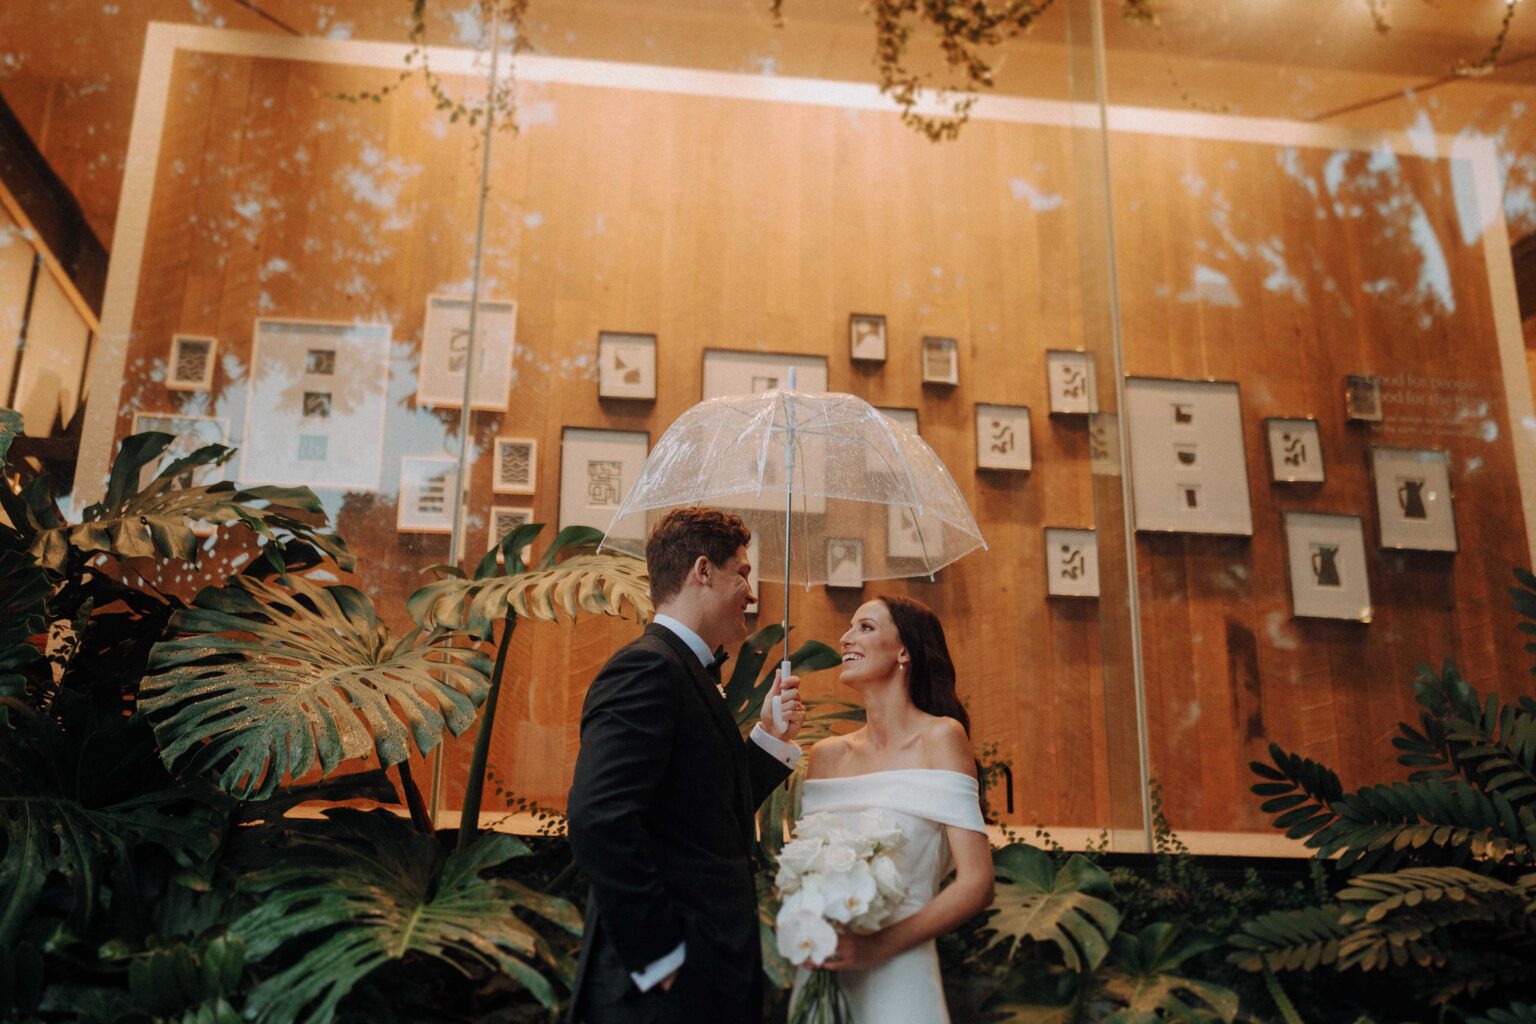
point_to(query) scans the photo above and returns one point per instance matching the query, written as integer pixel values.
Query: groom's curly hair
(680, 537)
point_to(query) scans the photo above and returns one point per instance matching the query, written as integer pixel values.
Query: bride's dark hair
(931, 675)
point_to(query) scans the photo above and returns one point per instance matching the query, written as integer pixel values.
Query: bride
(913, 757)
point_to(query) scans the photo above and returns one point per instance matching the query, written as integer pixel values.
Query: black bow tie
(713, 668)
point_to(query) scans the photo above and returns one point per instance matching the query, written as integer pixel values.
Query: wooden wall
(760, 226)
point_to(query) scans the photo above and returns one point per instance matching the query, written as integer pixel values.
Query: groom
(661, 808)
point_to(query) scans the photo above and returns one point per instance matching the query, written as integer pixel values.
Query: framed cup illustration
(1295, 451)
(190, 367)
(1069, 378)
(1362, 398)
(1325, 554)
(941, 361)
(1071, 562)
(503, 520)
(1189, 469)
(866, 337)
(845, 562)
(514, 465)
(1414, 509)
(597, 468)
(1002, 437)
(906, 417)
(626, 365)
(428, 485)
(445, 353)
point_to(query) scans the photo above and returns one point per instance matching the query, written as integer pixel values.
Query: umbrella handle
(776, 704)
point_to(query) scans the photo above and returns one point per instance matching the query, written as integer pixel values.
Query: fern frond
(1290, 940)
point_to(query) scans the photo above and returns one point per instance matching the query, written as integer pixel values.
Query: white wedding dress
(905, 989)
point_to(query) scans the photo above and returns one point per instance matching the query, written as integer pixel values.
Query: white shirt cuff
(653, 975)
(782, 751)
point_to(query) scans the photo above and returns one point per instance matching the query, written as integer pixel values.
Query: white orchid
(804, 935)
(848, 894)
(887, 878)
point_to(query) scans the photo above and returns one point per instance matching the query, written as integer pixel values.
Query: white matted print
(514, 465)
(1002, 437)
(866, 337)
(1295, 451)
(191, 433)
(1189, 470)
(845, 562)
(906, 417)
(445, 353)
(1362, 398)
(902, 537)
(1069, 378)
(504, 519)
(191, 364)
(941, 360)
(1413, 499)
(752, 373)
(1071, 562)
(597, 469)
(626, 365)
(428, 493)
(1326, 557)
(755, 574)
(315, 413)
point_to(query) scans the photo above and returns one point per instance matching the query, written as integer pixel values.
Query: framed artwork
(428, 485)
(191, 433)
(755, 576)
(626, 365)
(1326, 557)
(1362, 398)
(845, 562)
(866, 337)
(445, 353)
(1071, 562)
(1295, 451)
(597, 468)
(191, 364)
(906, 417)
(515, 465)
(315, 413)
(503, 520)
(1189, 470)
(902, 539)
(1002, 437)
(751, 373)
(1413, 499)
(1104, 443)
(941, 361)
(1069, 379)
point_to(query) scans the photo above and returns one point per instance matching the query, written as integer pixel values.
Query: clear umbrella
(834, 490)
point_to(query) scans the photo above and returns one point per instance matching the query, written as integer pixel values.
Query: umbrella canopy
(866, 498)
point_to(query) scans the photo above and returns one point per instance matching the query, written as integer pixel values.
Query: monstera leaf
(750, 683)
(1139, 976)
(10, 426)
(369, 892)
(82, 792)
(23, 589)
(157, 520)
(565, 581)
(267, 679)
(1067, 907)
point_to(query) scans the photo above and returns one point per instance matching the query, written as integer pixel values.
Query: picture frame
(334, 442)
(445, 353)
(514, 465)
(1071, 562)
(626, 366)
(1295, 450)
(1189, 467)
(597, 469)
(734, 372)
(428, 494)
(1362, 398)
(902, 538)
(907, 417)
(502, 520)
(1104, 443)
(191, 363)
(1069, 381)
(941, 360)
(845, 563)
(866, 337)
(1325, 557)
(1002, 437)
(191, 433)
(1415, 507)
(755, 574)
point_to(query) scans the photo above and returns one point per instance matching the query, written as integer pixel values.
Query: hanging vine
(1478, 68)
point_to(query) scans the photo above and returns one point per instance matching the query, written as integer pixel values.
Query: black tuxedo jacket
(661, 821)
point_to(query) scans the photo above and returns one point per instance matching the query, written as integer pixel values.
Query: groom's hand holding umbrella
(787, 692)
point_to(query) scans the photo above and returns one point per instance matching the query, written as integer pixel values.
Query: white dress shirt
(783, 751)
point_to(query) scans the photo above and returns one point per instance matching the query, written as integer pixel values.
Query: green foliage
(369, 891)
(1068, 907)
(23, 591)
(752, 676)
(265, 681)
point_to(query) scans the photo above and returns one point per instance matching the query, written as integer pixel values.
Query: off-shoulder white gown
(905, 989)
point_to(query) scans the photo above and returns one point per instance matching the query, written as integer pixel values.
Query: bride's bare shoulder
(826, 755)
(946, 745)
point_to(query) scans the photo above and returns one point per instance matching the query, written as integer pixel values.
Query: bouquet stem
(821, 1001)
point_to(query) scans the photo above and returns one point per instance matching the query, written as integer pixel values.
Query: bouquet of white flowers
(835, 875)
